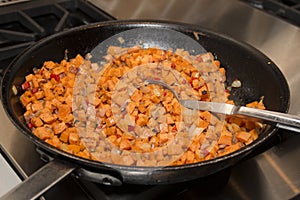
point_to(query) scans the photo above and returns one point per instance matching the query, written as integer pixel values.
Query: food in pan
(108, 113)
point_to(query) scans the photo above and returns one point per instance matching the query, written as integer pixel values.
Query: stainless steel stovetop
(274, 174)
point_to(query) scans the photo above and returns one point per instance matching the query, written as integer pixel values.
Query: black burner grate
(288, 10)
(23, 23)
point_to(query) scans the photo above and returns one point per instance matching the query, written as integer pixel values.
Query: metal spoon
(284, 121)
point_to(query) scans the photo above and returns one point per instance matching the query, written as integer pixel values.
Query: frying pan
(258, 74)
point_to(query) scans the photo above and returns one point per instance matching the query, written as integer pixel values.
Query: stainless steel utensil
(283, 120)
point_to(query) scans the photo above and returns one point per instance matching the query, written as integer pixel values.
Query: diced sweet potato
(176, 107)
(169, 119)
(68, 118)
(48, 94)
(112, 138)
(48, 117)
(243, 136)
(110, 121)
(249, 124)
(29, 77)
(225, 139)
(39, 94)
(254, 134)
(78, 60)
(190, 157)
(58, 70)
(36, 121)
(232, 148)
(64, 136)
(194, 146)
(142, 108)
(111, 130)
(142, 120)
(136, 96)
(205, 115)
(59, 127)
(74, 138)
(37, 106)
(84, 154)
(236, 120)
(43, 133)
(125, 144)
(203, 123)
(256, 104)
(74, 148)
(26, 98)
(50, 64)
(168, 107)
(163, 138)
(155, 99)
(54, 142)
(63, 111)
(131, 107)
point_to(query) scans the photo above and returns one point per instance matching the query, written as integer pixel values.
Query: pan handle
(41, 181)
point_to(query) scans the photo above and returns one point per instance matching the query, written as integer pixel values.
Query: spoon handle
(283, 120)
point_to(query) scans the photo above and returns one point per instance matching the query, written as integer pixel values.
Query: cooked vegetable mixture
(107, 112)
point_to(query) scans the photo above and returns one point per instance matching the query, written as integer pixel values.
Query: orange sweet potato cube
(243, 136)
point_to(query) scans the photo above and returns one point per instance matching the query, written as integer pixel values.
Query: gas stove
(273, 174)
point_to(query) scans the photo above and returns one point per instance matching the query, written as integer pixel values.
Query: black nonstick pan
(259, 75)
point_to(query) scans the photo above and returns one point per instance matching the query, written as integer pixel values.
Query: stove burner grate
(20, 28)
(288, 10)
